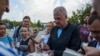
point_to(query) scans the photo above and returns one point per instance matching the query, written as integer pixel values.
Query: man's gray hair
(62, 9)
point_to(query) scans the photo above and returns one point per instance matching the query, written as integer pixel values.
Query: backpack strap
(17, 32)
(10, 43)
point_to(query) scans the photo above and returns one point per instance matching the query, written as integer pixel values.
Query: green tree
(33, 24)
(80, 14)
(39, 23)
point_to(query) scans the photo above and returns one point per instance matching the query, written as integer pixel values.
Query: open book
(69, 52)
(38, 54)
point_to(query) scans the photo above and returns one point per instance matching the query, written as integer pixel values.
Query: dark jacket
(69, 38)
(93, 43)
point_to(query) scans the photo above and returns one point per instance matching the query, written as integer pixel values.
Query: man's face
(85, 19)
(95, 29)
(2, 29)
(24, 31)
(26, 22)
(60, 19)
(3, 7)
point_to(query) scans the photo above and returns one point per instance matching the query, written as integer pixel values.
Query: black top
(69, 38)
(24, 45)
(92, 43)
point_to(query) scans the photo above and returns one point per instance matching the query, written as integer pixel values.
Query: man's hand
(42, 47)
(38, 47)
(46, 47)
(91, 51)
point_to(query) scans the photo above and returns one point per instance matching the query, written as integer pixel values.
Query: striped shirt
(7, 51)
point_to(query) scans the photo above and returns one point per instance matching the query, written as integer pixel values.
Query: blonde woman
(44, 37)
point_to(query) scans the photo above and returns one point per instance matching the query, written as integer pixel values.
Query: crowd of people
(57, 36)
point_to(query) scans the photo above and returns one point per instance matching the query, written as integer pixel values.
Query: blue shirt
(7, 51)
(59, 31)
(6, 39)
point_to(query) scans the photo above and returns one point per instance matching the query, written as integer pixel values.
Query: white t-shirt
(91, 35)
(45, 38)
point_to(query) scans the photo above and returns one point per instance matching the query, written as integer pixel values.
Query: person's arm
(75, 40)
(31, 46)
(91, 51)
(89, 37)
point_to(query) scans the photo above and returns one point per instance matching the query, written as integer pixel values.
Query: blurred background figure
(17, 34)
(84, 32)
(44, 37)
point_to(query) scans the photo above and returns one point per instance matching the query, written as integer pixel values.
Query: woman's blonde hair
(52, 23)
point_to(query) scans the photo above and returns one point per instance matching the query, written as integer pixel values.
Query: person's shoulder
(73, 26)
(17, 28)
(80, 26)
(30, 28)
(5, 36)
(54, 28)
(8, 36)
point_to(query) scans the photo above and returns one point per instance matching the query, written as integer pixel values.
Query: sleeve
(10, 39)
(7, 51)
(75, 39)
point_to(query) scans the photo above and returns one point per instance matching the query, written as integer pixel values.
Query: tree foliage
(78, 16)
(39, 23)
(11, 24)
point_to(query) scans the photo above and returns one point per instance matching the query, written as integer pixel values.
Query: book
(69, 52)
